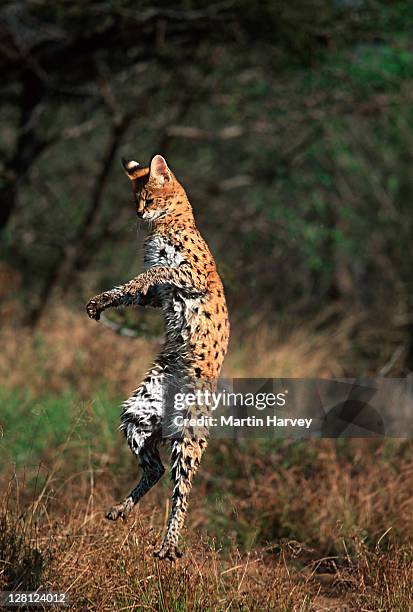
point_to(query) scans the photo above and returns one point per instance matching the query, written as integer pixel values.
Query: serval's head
(156, 191)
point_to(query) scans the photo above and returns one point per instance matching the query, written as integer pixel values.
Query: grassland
(311, 525)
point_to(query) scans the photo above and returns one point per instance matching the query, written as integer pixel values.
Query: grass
(23, 565)
(32, 425)
(310, 525)
(259, 539)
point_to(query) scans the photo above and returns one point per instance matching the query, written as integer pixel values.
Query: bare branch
(184, 131)
(397, 354)
(74, 252)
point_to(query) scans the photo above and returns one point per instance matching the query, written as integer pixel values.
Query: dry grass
(303, 353)
(320, 492)
(317, 525)
(67, 350)
(59, 540)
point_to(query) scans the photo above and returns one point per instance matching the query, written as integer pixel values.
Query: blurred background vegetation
(290, 125)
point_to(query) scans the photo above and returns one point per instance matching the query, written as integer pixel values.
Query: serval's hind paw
(168, 551)
(121, 510)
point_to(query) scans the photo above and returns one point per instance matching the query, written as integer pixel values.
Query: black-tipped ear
(159, 170)
(132, 168)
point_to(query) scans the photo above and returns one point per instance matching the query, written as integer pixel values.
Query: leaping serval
(180, 277)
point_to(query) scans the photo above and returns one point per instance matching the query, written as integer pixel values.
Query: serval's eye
(148, 201)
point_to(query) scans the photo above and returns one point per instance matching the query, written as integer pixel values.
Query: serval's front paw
(121, 510)
(168, 551)
(93, 309)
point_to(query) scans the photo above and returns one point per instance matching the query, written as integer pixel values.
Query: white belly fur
(176, 305)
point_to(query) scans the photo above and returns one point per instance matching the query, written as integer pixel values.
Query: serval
(180, 277)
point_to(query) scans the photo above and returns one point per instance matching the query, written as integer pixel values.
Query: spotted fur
(181, 278)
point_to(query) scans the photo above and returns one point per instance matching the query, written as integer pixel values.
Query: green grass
(32, 427)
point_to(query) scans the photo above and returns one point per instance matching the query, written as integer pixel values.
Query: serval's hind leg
(141, 424)
(185, 459)
(153, 470)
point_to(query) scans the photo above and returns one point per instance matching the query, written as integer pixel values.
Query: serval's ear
(159, 170)
(133, 170)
